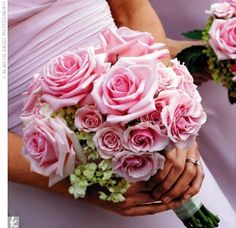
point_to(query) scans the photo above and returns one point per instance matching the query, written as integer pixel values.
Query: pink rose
(222, 10)
(127, 91)
(183, 118)
(190, 88)
(33, 94)
(127, 42)
(88, 118)
(51, 148)
(223, 38)
(181, 70)
(144, 137)
(154, 117)
(232, 3)
(167, 78)
(135, 167)
(69, 78)
(109, 140)
(185, 80)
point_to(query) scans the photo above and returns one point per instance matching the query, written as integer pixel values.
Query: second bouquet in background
(219, 54)
(104, 116)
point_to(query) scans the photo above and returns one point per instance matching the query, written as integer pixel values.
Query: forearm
(176, 46)
(138, 15)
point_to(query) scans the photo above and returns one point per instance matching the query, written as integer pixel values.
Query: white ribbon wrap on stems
(189, 208)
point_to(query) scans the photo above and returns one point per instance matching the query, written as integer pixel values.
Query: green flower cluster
(102, 174)
(68, 114)
(96, 172)
(205, 32)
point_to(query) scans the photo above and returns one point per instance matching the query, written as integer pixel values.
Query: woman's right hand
(138, 201)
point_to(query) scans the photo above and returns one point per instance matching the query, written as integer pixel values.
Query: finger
(182, 183)
(162, 174)
(138, 187)
(137, 199)
(146, 209)
(176, 204)
(196, 184)
(188, 175)
(172, 176)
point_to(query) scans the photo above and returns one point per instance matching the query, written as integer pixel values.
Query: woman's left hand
(178, 179)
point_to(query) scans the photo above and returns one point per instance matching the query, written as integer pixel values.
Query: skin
(177, 181)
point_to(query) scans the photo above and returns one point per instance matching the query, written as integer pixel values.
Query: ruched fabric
(40, 30)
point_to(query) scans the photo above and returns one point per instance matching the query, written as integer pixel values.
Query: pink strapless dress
(217, 139)
(38, 31)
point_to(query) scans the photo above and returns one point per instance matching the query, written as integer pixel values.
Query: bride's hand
(178, 179)
(138, 201)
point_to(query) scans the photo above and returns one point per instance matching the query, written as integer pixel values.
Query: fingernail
(166, 199)
(186, 197)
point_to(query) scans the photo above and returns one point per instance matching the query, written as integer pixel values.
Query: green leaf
(194, 58)
(194, 34)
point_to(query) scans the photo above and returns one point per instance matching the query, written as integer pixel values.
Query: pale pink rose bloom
(33, 93)
(234, 79)
(185, 80)
(190, 88)
(127, 91)
(181, 70)
(69, 78)
(222, 10)
(88, 118)
(183, 118)
(144, 137)
(50, 148)
(167, 78)
(109, 140)
(163, 99)
(135, 167)
(223, 38)
(232, 3)
(127, 42)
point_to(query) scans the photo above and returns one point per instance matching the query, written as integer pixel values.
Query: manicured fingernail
(186, 197)
(166, 199)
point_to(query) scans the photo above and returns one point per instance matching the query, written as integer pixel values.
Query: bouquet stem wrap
(194, 214)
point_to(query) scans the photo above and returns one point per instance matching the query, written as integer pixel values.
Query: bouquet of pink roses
(220, 53)
(103, 115)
